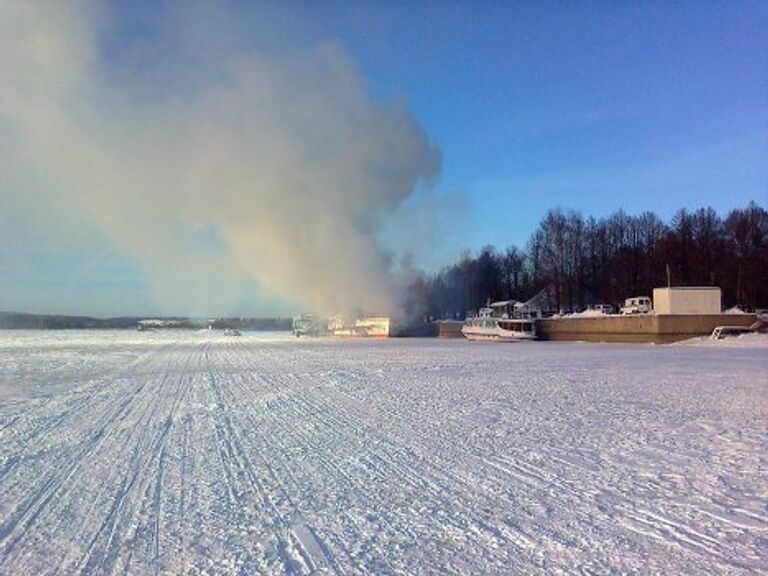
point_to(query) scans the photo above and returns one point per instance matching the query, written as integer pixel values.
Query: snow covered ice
(186, 452)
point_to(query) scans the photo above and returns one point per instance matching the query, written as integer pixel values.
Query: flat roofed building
(687, 300)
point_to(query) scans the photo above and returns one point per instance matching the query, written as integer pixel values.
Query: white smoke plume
(279, 170)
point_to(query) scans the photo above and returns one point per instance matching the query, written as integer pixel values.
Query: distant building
(687, 300)
(376, 327)
(503, 308)
(371, 327)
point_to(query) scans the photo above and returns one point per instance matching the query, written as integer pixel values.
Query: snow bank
(747, 340)
(734, 310)
(588, 313)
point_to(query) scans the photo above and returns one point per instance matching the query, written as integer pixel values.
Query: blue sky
(593, 106)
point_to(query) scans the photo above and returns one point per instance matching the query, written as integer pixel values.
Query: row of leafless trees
(589, 261)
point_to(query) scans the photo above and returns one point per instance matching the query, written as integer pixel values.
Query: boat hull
(496, 335)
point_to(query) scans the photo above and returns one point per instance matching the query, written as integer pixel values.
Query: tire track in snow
(306, 411)
(24, 517)
(288, 520)
(145, 448)
(279, 517)
(421, 475)
(345, 457)
(134, 400)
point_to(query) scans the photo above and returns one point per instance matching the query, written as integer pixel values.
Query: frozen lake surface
(175, 452)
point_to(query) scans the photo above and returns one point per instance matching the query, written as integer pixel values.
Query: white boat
(485, 326)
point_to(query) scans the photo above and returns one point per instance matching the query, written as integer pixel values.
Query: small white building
(687, 300)
(376, 327)
(373, 327)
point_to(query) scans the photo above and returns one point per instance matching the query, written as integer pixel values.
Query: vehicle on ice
(306, 325)
(637, 305)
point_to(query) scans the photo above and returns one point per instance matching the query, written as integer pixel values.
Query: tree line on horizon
(589, 261)
(24, 321)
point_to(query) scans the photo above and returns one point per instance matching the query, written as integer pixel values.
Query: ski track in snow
(185, 452)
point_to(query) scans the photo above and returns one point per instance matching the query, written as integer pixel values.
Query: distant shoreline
(26, 321)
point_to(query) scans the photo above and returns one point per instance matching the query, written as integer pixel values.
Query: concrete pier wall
(660, 329)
